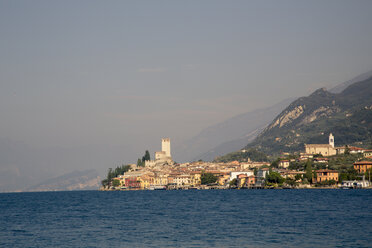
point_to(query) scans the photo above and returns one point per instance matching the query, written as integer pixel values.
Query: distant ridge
(229, 135)
(76, 180)
(339, 88)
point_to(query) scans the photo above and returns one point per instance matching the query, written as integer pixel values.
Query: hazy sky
(105, 80)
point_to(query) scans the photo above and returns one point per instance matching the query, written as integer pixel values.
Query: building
(244, 181)
(235, 174)
(323, 149)
(367, 153)
(305, 156)
(251, 165)
(182, 180)
(132, 183)
(165, 147)
(161, 157)
(326, 175)
(284, 163)
(291, 174)
(355, 150)
(355, 184)
(363, 166)
(320, 160)
(261, 175)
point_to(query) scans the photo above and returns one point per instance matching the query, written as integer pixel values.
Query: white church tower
(165, 146)
(331, 140)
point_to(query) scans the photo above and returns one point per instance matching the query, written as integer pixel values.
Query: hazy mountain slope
(76, 180)
(339, 88)
(229, 146)
(348, 115)
(226, 136)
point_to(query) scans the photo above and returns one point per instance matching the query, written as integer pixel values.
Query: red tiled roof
(362, 162)
(326, 170)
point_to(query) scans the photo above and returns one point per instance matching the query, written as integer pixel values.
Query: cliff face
(348, 115)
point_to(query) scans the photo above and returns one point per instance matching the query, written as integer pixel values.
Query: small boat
(160, 187)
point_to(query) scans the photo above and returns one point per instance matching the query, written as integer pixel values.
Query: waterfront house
(132, 183)
(326, 175)
(234, 174)
(245, 181)
(362, 166)
(260, 177)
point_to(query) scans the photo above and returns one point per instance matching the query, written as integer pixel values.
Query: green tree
(208, 178)
(120, 170)
(298, 177)
(140, 163)
(104, 182)
(147, 156)
(347, 150)
(308, 171)
(109, 176)
(115, 183)
(274, 177)
(275, 163)
(291, 182)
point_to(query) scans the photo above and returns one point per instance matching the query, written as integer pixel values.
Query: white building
(234, 174)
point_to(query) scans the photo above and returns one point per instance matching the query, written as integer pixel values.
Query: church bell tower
(331, 140)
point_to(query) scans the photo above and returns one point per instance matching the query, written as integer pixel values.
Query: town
(319, 166)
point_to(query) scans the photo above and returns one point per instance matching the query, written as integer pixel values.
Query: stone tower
(331, 140)
(165, 146)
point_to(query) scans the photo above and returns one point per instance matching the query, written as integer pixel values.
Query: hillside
(76, 180)
(229, 135)
(348, 115)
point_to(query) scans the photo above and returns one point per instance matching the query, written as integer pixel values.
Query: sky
(93, 84)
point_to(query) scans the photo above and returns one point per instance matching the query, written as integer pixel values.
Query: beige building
(326, 175)
(284, 163)
(323, 149)
(161, 157)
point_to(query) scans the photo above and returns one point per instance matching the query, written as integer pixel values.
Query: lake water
(193, 218)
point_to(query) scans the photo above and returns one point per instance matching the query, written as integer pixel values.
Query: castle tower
(331, 140)
(165, 146)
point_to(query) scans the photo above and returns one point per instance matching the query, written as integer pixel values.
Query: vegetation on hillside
(347, 115)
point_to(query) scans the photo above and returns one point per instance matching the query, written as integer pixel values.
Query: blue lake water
(194, 218)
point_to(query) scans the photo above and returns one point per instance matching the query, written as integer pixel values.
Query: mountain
(348, 115)
(229, 135)
(340, 87)
(229, 146)
(76, 180)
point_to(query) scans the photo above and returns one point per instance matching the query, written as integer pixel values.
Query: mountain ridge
(310, 119)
